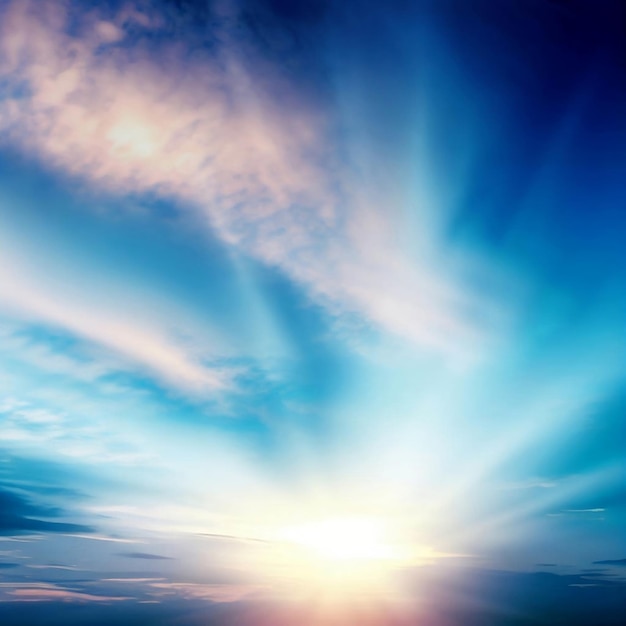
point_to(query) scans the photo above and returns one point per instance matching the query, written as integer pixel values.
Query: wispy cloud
(75, 436)
(20, 515)
(532, 483)
(214, 593)
(145, 556)
(54, 566)
(45, 592)
(107, 538)
(240, 148)
(149, 344)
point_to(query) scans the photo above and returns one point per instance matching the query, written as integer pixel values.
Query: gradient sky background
(266, 262)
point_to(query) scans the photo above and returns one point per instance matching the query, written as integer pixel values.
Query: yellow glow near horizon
(343, 555)
(343, 539)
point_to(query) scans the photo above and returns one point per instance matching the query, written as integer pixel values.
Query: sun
(343, 539)
(343, 555)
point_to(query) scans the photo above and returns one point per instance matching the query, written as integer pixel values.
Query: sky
(312, 312)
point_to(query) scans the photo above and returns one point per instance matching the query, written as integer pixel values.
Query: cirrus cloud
(242, 149)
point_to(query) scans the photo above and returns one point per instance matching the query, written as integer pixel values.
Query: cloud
(54, 566)
(532, 483)
(25, 504)
(620, 562)
(46, 593)
(596, 573)
(145, 555)
(136, 580)
(237, 142)
(18, 515)
(578, 513)
(231, 537)
(9, 565)
(74, 433)
(200, 591)
(108, 538)
(152, 345)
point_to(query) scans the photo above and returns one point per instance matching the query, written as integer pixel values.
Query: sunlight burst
(344, 555)
(344, 539)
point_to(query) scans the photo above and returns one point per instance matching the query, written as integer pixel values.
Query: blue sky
(312, 310)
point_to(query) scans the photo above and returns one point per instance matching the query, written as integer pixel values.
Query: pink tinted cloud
(148, 345)
(44, 592)
(212, 592)
(241, 149)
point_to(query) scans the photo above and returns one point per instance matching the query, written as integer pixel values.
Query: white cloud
(32, 592)
(142, 335)
(204, 591)
(240, 148)
(72, 435)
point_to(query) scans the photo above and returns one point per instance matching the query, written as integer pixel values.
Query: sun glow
(340, 555)
(344, 539)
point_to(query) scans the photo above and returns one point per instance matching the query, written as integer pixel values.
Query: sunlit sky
(312, 302)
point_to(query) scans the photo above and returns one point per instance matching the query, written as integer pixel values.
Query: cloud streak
(145, 556)
(149, 345)
(18, 515)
